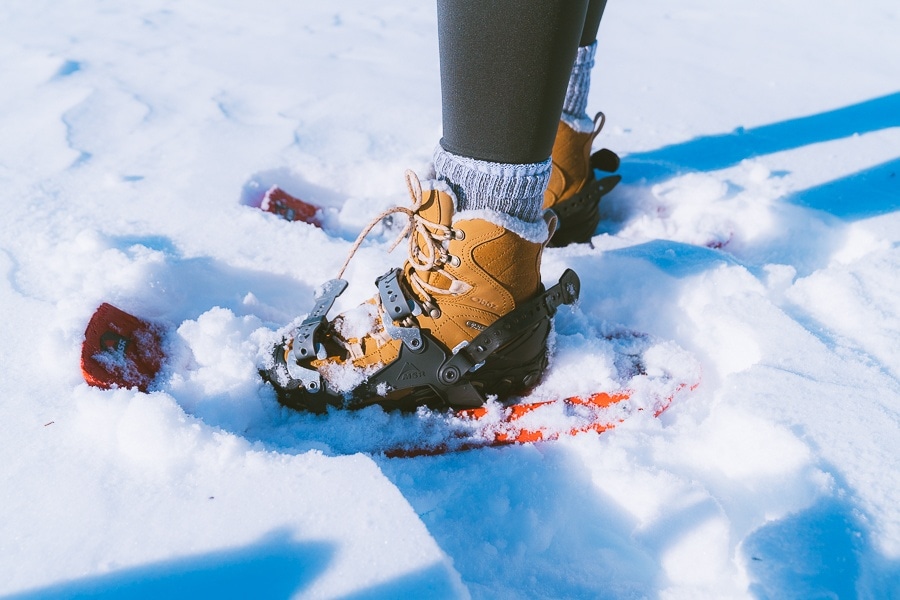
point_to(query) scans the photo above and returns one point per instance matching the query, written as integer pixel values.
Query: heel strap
(507, 327)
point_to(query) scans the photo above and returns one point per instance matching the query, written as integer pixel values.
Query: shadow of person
(276, 566)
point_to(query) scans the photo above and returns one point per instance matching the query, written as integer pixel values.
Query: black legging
(505, 66)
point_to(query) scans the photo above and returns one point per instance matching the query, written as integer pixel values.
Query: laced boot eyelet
(459, 234)
(453, 261)
(432, 310)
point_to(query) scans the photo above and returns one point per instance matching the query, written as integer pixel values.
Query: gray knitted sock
(575, 105)
(513, 189)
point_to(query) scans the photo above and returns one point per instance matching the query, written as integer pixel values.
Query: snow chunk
(213, 367)
(344, 377)
(358, 322)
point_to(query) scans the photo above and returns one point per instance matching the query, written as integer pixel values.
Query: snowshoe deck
(530, 422)
(124, 351)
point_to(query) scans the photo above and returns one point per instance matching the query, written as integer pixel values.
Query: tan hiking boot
(465, 317)
(574, 192)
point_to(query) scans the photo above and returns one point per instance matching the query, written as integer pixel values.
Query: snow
(756, 234)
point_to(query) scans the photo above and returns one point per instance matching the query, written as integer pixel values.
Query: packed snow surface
(756, 236)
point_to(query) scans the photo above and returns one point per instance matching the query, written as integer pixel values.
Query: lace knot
(427, 249)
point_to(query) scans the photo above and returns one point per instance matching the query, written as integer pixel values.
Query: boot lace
(427, 251)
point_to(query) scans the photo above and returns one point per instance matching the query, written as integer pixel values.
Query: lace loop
(426, 251)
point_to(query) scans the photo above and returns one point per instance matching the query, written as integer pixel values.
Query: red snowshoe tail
(512, 433)
(120, 350)
(511, 428)
(279, 202)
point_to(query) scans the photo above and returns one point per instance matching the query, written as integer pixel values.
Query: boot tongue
(437, 207)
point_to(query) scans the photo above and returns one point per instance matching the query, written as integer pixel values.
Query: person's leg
(575, 103)
(592, 22)
(504, 69)
(466, 316)
(573, 192)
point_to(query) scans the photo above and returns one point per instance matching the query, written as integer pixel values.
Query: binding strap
(303, 346)
(507, 327)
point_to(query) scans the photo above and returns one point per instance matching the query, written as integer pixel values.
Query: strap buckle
(304, 339)
(507, 327)
(397, 308)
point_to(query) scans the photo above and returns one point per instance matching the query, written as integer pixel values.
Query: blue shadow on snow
(868, 193)
(274, 567)
(714, 152)
(675, 258)
(822, 552)
(68, 68)
(187, 287)
(526, 522)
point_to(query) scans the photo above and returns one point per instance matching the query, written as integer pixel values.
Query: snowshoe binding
(465, 318)
(574, 192)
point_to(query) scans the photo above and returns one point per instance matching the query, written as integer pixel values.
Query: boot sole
(511, 370)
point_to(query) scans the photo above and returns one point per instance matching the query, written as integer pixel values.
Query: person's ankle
(512, 189)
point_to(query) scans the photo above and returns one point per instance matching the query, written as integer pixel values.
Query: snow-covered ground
(757, 230)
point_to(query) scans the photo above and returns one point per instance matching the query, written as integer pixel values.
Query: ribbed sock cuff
(575, 105)
(512, 189)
